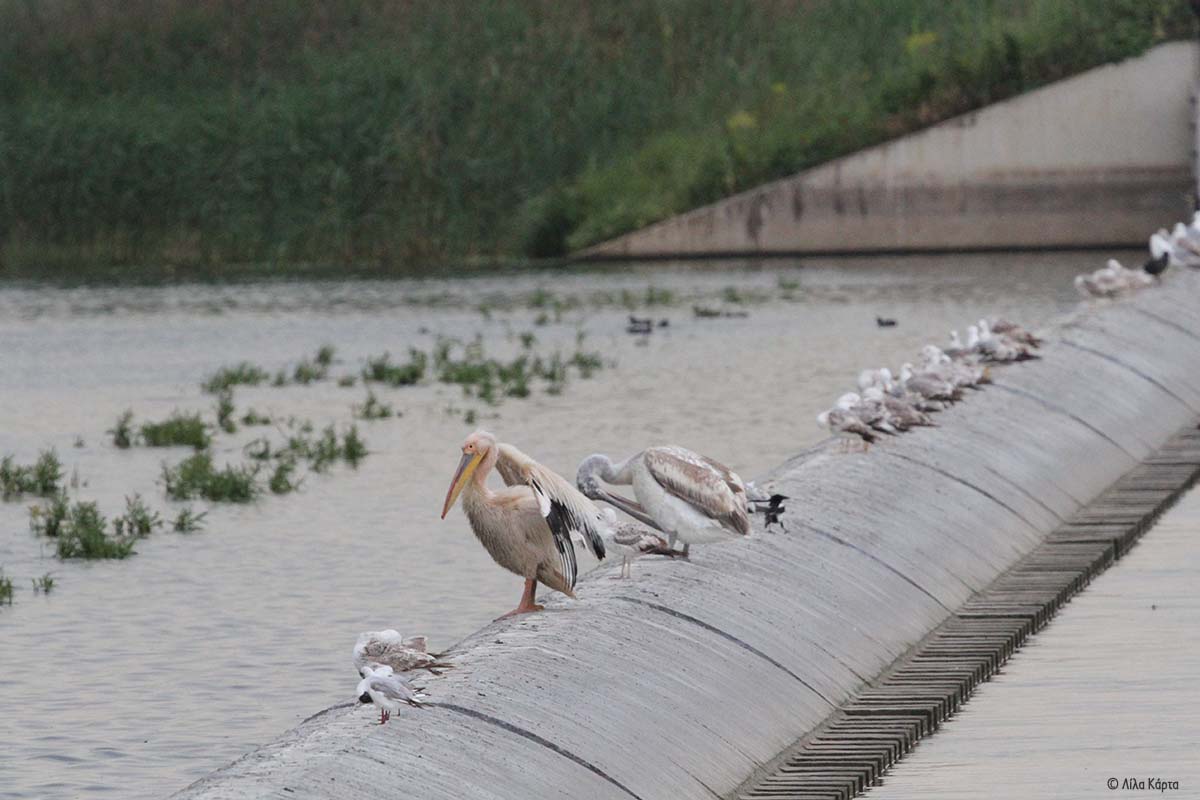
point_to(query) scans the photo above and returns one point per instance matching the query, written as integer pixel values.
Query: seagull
(387, 690)
(901, 414)
(526, 527)
(1012, 330)
(928, 386)
(629, 541)
(873, 414)
(846, 425)
(389, 648)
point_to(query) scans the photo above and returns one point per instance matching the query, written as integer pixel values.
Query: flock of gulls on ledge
(680, 498)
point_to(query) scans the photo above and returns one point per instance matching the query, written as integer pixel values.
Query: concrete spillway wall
(685, 680)
(1098, 159)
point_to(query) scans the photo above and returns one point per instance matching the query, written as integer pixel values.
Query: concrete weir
(693, 677)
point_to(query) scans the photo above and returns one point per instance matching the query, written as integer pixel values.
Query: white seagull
(387, 690)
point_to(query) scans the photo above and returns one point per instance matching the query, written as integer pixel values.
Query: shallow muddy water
(134, 678)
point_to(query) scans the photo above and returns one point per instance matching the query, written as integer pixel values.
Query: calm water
(1107, 691)
(134, 678)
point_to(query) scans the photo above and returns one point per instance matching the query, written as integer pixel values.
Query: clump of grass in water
(225, 411)
(188, 521)
(241, 374)
(80, 530)
(122, 432)
(177, 430)
(373, 408)
(42, 585)
(354, 449)
(6, 588)
(252, 417)
(50, 519)
(587, 363)
(346, 381)
(382, 370)
(42, 478)
(138, 521)
(325, 355)
(307, 372)
(196, 477)
(325, 450)
(281, 481)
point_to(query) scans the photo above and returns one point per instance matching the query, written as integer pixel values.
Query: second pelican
(688, 496)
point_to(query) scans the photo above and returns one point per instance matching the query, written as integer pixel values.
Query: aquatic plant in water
(373, 408)
(177, 430)
(122, 432)
(138, 521)
(6, 588)
(79, 530)
(225, 411)
(42, 478)
(43, 585)
(381, 369)
(197, 477)
(188, 521)
(241, 374)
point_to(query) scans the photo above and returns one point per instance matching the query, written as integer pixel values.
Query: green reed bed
(241, 374)
(380, 132)
(6, 589)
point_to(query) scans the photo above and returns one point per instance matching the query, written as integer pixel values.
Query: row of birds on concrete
(1179, 247)
(887, 404)
(532, 526)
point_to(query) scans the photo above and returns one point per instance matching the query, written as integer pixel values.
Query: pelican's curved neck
(620, 474)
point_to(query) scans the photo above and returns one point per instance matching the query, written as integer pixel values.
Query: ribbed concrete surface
(683, 681)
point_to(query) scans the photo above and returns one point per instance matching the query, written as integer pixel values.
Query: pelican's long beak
(631, 508)
(466, 468)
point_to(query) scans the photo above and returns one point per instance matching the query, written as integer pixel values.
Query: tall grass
(383, 131)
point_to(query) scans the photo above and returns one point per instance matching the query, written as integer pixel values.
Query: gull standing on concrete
(630, 541)
(692, 498)
(387, 690)
(526, 527)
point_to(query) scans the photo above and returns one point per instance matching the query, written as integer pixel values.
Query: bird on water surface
(527, 526)
(689, 497)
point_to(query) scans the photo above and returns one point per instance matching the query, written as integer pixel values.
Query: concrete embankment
(687, 679)
(1099, 159)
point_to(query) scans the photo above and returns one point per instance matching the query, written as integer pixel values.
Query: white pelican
(387, 690)
(390, 649)
(527, 526)
(689, 497)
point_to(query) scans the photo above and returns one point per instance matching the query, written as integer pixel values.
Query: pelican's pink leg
(383, 716)
(527, 605)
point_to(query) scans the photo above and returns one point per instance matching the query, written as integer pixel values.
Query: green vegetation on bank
(384, 132)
